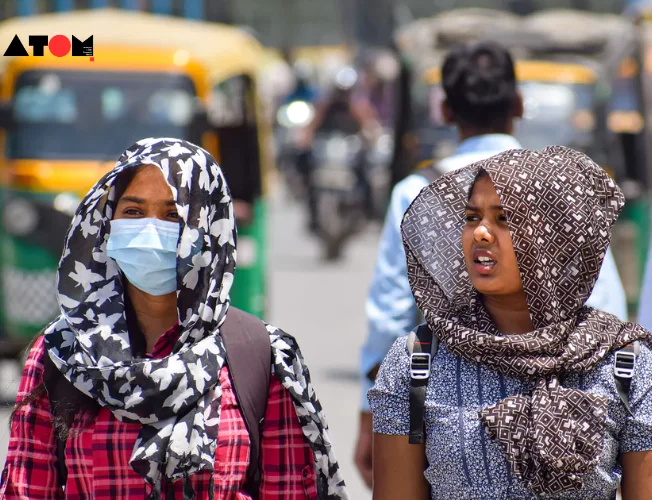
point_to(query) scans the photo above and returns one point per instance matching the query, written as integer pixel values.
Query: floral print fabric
(170, 397)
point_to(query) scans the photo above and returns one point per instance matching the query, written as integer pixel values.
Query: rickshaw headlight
(20, 217)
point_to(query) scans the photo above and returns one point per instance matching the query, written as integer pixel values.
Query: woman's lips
(484, 261)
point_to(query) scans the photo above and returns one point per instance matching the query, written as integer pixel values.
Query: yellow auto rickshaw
(66, 119)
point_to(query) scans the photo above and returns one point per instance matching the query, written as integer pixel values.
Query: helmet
(303, 70)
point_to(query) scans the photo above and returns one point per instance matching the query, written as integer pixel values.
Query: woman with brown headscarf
(522, 400)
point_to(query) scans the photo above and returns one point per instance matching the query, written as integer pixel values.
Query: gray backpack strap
(624, 367)
(431, 173)
(249, 357)
(56, 398)
(422, 346)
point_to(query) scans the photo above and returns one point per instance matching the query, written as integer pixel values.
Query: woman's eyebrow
(132, 199)
(472, 208)
(141, 201)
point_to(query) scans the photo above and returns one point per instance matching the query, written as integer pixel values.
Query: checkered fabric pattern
(29, 296)
(98, 452)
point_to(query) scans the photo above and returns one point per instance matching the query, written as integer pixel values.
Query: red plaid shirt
(97, 456)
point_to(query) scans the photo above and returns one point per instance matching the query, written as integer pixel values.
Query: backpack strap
(422, 346)
(624, 366)
(56, 396)
(431, 172)
(249, 357)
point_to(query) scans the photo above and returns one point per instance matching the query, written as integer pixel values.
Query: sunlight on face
(147, 196)
(487, 243)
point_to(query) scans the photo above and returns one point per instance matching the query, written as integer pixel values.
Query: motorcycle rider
(378, 85)
(338, 111)
(303, 90)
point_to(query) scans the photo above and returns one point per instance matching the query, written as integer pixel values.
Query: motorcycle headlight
(20, 217)
(296, 114)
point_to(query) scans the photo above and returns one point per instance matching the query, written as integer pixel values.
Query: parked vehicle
(66, 120)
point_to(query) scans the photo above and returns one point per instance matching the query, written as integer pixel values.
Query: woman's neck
(155, 315)
(510, 313)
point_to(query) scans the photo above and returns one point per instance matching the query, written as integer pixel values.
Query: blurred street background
(315, 110)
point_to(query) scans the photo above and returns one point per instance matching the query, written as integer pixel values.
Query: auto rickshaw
(65, 120)
(566, 77)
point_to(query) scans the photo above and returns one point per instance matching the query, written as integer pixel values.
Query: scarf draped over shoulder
(560, 208)
(176, 398)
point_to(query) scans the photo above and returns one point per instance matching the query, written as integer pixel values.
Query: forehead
(483, 192)
(148, 183)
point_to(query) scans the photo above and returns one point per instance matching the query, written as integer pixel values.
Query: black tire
(332, 249)
(331, 230)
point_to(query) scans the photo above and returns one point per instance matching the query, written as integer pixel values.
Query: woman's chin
(487, 284)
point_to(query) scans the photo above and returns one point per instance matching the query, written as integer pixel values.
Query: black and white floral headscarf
(176, 399)
(560, 208)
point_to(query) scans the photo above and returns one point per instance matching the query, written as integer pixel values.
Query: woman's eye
(502, 218)
(173, 215)
(472, 218)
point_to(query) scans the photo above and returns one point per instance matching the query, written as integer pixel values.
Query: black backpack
(423, 345)
(249, 357)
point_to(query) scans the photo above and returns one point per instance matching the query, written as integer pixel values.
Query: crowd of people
(498, 361)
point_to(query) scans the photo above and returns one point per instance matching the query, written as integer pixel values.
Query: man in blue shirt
(482, 100)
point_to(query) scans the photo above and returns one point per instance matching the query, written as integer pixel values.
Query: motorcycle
(338, 182)
(291, 118)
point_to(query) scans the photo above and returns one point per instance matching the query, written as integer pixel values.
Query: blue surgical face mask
(146, 252)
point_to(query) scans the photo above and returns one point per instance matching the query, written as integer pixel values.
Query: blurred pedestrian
(524, 397)
(482, 100)
(133, 391)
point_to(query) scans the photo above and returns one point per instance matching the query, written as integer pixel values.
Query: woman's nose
(481, 233)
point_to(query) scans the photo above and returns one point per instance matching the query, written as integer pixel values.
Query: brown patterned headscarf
(560, 208)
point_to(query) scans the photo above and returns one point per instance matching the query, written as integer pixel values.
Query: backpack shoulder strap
(624, 367)
(422, 346)
(249, 357)
(55, 398)
(431, 172)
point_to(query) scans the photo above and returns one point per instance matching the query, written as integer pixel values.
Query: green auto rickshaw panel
(249, 285)
(28, 276)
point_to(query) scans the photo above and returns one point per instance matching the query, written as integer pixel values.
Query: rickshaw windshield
(554, 113)
(95, 116)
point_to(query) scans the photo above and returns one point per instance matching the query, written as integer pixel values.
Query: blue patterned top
(463, 462)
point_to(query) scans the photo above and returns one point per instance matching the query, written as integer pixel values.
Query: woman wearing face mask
(138, 360)
(521, 401)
